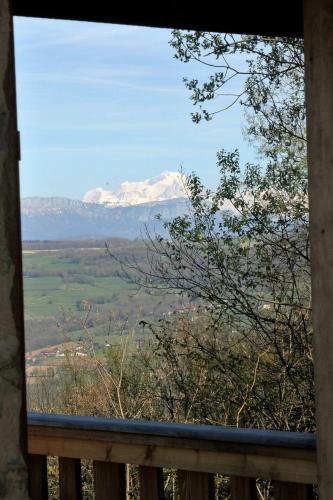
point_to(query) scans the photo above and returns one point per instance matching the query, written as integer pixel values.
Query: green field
(64, 286)
(59, 282)
(47, 296)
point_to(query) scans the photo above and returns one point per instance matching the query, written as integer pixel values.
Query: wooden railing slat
(151, 483)
(292, 491)
(70, 479)
(37, 466)
(195, 485)
(301, 470)
(243, 488)
(110, 481)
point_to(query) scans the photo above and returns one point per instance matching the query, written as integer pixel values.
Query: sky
(99, 104)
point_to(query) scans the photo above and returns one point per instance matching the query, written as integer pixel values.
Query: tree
(243, 249)
(271, 74)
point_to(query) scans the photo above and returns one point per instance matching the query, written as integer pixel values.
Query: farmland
(71, 291)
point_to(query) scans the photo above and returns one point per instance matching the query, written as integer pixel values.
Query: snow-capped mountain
(166, 186)
(126, 212)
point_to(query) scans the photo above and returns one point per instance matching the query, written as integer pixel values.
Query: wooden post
(292, 491)
(151, 483)
(195, 485)
(13, 472)
(38, 487)
(110, 481)
(243, 488)
(70, 483)
(318, 34)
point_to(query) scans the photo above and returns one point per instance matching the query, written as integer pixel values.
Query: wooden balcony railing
(197, 452)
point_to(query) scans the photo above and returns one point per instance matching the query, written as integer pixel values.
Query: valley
(75, 294)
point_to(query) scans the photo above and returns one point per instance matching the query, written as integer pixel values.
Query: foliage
(264, 74)
(243, 250)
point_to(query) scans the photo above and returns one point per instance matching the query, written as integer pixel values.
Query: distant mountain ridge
(40, 204)
(59, 218)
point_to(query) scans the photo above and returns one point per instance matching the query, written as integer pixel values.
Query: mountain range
(124, 212)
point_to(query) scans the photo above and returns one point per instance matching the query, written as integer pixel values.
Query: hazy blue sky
(99, 104)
